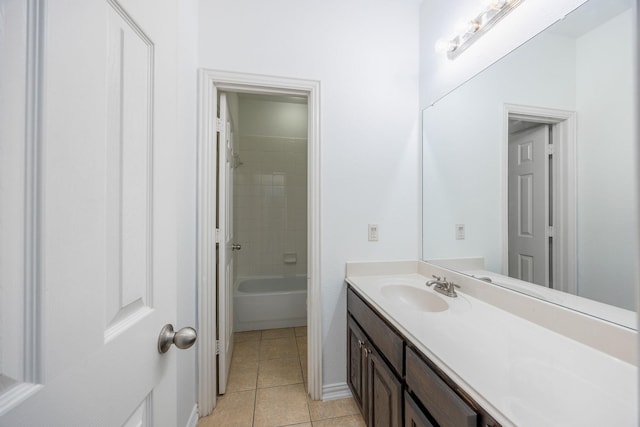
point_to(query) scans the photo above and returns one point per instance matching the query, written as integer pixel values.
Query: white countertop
(620, 316)
(521, 373)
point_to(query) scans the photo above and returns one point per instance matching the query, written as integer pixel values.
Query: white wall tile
(270, 205)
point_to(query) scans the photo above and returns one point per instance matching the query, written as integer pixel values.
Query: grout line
(255, 395)
(255, 403)
(304, 386)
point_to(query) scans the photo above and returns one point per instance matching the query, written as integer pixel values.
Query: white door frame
(210, 82)
(564, 199)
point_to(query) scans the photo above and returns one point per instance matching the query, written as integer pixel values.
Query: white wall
(270, 188)
(607, 200)
(365, 54)
(439, 19)
(186, 209)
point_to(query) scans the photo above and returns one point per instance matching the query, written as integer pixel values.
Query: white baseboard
(335, 391)
(193, 418)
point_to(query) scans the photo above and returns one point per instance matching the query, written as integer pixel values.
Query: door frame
(210, 82)
(564, 134)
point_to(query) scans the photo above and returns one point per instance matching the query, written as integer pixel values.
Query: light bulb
(445, 46)
(441, 46)
(472, 26)
(498, 4)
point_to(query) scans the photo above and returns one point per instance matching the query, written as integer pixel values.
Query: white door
(226, 245)
(528, 205)
(87, 204)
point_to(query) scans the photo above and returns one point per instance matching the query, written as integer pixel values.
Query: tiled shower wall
(270, 204)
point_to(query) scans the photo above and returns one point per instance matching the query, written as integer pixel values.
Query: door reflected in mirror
(535, 159)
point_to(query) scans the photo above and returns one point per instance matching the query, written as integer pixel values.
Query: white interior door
(87, 202)
(528, 205)
(226, 245)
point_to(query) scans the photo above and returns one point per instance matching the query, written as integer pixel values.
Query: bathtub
(269, 302)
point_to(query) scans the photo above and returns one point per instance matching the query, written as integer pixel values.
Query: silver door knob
(236, 247)
(184, 338)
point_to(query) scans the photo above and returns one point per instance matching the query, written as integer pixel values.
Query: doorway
(254, 89)
(269, 211)
(539, 196)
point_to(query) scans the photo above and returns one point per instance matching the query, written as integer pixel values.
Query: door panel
(129, 196)
(225, 252)
(104, 258)
(15, 200)
(528, 211)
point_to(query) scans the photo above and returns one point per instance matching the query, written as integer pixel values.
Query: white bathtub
(269, 302)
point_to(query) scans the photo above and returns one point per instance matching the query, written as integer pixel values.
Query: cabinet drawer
(444, 405)
(386, 340)
(413, 415)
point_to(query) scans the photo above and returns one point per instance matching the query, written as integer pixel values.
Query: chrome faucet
(443, 286)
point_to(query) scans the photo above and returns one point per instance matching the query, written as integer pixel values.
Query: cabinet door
(413, 415)
(356, 374)
(384, 393)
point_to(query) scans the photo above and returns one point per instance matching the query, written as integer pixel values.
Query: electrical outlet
(373, 232)
(460, 232)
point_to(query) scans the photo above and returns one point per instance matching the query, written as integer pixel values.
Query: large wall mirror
(529, 168)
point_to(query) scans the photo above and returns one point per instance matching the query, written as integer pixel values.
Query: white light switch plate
(373, 232)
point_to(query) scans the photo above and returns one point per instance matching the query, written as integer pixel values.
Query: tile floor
(267, 386)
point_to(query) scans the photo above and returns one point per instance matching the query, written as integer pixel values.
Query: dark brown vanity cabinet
(357, 365)
(394, 384)
(376, 387)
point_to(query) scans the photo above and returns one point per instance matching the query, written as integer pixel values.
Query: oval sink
(415, 298)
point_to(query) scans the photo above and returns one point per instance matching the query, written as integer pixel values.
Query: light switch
(459, 231)
(373, 232)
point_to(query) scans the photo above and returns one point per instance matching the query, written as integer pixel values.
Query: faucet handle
(437, 277)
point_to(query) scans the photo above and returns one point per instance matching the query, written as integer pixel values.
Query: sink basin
(414, 298)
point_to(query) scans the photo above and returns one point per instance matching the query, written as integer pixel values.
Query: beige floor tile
(304, 366)
(232, 409)
(243, 375)
(247, 350)
(278, 406)
(277, 372)
(348, 421)
(301, 331)
(320, 410)
(301, 425)
(278, 348)
(247, 336)
(301, 342)
(269, 334)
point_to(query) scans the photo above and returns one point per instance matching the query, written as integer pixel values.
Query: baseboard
(193, 418)
(335, 391)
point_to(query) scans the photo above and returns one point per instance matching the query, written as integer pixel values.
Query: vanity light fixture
(473, 29)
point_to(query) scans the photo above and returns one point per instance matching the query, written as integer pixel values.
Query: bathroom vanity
(385, 369)
(419, 358)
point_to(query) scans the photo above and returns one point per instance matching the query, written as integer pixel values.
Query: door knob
(236, 247)
(184, 338)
